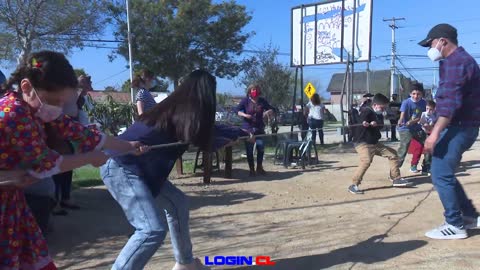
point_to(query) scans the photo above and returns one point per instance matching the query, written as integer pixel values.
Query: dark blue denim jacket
(154, 166)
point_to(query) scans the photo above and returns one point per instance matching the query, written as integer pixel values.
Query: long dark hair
(46, 70)
(188, 114)
(316, 99)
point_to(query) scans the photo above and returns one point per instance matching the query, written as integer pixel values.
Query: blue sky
(271, 23)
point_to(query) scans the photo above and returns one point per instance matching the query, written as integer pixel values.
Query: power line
(109, 77)
(401, 63)
(100, 47)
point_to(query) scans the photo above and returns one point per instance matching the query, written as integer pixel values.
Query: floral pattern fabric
(23, 146)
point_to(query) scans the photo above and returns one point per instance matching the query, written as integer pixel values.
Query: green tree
(54, 24)
(224, 100)
(126, 86)
(162, 86)
(79, 72)
(173, 37)
(112, 115)
(110, 89)
(273, 77)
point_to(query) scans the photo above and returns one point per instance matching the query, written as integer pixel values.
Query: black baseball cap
(368, 95)
(442, 30)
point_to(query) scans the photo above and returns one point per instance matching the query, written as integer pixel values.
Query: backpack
(353, 119)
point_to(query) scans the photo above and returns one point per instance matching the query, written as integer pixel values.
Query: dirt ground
(303, 219)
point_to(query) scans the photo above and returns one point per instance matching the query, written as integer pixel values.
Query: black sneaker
(354, 189)
(471, 222)
(401, 182)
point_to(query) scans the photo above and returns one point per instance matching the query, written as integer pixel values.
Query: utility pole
(368, 77)
(393, 77)
(129, 37)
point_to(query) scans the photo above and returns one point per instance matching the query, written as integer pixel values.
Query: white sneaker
(447, 232)
(471, 223)
(195, 265)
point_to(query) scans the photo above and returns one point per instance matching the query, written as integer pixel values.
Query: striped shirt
(458, 95)
(144, 96)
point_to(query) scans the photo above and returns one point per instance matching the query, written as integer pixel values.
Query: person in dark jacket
(252, 109)
(394, 115)
(367, 145)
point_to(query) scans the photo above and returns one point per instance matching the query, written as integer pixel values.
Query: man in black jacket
(394, 115)
(367, 144)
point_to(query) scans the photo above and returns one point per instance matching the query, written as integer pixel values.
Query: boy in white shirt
(429, 117)
(427, 121)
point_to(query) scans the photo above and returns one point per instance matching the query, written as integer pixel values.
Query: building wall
(335, 110)
(335, 98)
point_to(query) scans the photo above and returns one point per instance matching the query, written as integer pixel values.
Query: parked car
(220, 116)
(288, 118)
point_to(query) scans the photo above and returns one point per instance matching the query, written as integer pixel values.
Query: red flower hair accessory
(36, 63)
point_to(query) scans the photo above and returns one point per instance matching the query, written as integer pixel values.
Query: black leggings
(63, 183)
(314, 125)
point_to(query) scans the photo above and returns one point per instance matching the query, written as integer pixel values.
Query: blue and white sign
(323, 34)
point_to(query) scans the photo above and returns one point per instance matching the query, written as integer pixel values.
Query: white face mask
(379, 112)
(47, 112)
(434, 53)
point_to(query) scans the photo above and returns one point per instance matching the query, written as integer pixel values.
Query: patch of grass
(188, 166)
(87, 176)
(87, 183)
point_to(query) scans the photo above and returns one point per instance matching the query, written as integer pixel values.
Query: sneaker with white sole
(402, 182)
(447, 232)
(195, 265)
(355, 190)
(471, 222)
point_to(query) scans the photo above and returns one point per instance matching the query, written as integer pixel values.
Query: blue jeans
(315, 124)
(405, 139)
(151, 217)
(454, 141)
(260, 152)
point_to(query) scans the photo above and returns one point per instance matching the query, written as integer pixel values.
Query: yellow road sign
(309, 90)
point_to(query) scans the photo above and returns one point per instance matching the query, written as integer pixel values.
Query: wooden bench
(208, 162)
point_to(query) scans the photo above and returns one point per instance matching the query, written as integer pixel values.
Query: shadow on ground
(242, 175)
(372, 250)
(92, 232)
(275, 173)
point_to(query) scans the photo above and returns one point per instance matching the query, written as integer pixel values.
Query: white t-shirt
(315, 111)
(428, 119)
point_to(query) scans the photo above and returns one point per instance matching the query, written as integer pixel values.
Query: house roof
(100, 96)
(379, 82)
